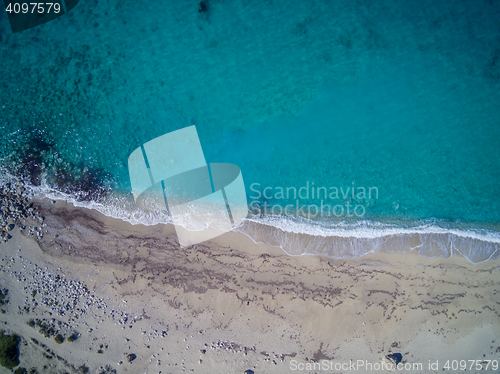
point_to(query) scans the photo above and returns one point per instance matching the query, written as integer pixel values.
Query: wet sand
(231, 305)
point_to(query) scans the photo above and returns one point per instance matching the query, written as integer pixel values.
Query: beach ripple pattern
(170, 174)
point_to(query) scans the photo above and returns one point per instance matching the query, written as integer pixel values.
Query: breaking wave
(301, 236)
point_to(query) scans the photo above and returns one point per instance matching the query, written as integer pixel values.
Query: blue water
(398, 96)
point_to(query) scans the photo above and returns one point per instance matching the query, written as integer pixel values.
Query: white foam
(429, 238)
(301, 236)
(370, 229)
(116, 206)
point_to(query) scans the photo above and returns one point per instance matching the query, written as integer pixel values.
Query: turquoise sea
(397, 98)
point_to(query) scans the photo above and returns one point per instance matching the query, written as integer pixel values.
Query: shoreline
(477, 241)
(251, 306)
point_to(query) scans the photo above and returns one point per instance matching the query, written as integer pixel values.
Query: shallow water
(399, 98)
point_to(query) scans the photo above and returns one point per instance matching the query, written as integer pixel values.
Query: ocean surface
(358, 126)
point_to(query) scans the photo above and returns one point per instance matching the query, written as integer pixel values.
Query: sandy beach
(136, 302)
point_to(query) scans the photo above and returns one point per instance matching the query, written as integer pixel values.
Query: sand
(230, 305)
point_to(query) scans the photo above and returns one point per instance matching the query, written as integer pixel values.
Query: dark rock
(248, 372)
(203, 8)
(395, 357)
(131, 357)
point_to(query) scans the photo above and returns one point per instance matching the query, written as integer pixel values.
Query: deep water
(400, 96)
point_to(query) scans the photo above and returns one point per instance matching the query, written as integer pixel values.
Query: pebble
(15, 208)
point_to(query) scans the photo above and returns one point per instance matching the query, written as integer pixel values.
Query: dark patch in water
(493, 66)
(32, 158)
(203, 7)
(35, 155)
(87, 186)
(92, 183)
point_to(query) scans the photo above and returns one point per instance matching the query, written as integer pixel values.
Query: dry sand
(230, 305)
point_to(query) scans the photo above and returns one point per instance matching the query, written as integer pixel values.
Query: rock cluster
(15, 208)
(60, 294)
(64, 297)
